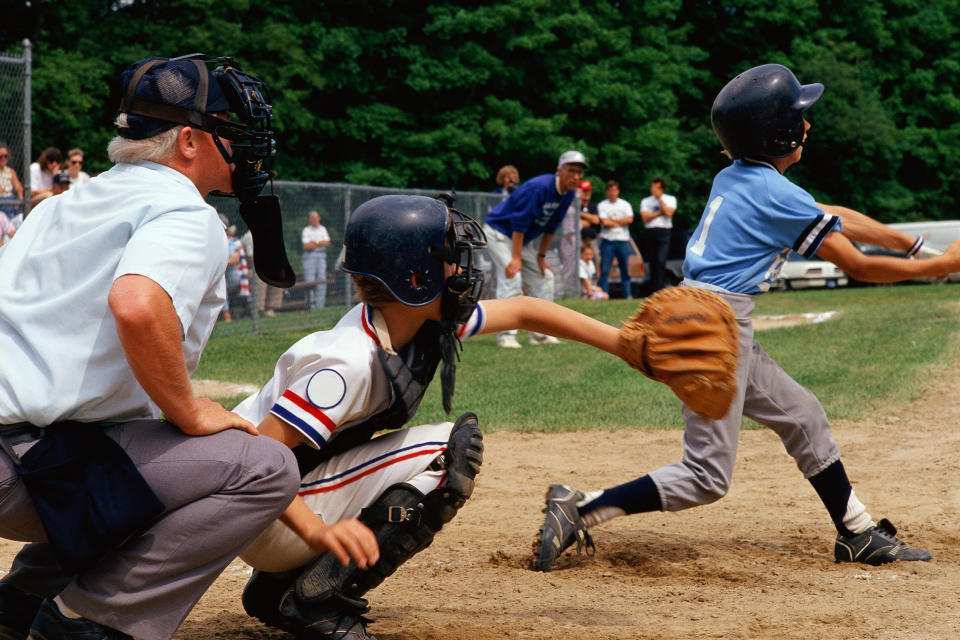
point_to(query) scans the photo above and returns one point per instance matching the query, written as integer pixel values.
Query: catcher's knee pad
(396, 519)
(404, 522)
(461, 461)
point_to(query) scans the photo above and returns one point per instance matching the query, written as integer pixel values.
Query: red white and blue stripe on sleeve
(306, 418)
(316, 405)
(472, 326)
(368, 467)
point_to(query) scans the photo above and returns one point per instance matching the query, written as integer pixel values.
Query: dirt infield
(757, 564)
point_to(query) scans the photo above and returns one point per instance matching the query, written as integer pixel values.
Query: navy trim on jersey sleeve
(809, 241)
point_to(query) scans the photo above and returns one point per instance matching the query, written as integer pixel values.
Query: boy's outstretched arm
(684, 337)
(534, 314)
(838, 249)
(862, 228)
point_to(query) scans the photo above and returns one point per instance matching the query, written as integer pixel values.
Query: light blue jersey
(754, 218)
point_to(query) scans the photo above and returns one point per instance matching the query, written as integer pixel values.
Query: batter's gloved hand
(686, 338)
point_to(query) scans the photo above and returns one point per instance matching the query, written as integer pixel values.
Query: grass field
(887, 343)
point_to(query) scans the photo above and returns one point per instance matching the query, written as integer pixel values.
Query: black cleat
(262, 595)
(562, 526)
(17, 611)
(338, 618)
(50, 624)
(875, 546)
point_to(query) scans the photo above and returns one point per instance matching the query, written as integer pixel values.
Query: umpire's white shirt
(60, 357)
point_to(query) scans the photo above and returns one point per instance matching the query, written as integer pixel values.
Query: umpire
(108, 295)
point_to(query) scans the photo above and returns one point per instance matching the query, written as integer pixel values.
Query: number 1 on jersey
(701, 242)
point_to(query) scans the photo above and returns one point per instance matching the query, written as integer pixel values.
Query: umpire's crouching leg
(219, 492)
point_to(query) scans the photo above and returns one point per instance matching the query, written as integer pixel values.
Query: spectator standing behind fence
(569, 249)
(507, 180)
(589, 219)
(616, 214)
(519, 231)
(657, 211)
(74, 167)
(268, 298)
(42, 172)
(236, 274)
(10, 188)
(315, 239)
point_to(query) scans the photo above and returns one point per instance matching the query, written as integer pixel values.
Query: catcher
(754, 218)
(369, 504)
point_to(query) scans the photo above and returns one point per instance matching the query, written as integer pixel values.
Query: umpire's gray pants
(219, 492)
(766, 394)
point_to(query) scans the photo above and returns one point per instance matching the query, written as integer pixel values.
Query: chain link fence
(15, 70)
(267, 309)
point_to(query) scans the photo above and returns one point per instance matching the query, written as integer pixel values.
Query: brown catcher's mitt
(686, 338)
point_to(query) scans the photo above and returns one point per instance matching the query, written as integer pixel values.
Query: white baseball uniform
(332, 380)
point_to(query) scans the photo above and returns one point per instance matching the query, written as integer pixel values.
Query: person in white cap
(519, 231)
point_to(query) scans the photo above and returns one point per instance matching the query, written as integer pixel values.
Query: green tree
(438, 95)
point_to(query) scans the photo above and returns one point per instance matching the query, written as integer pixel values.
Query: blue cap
(177, 82)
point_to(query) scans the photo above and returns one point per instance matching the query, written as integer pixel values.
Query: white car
(801, 273)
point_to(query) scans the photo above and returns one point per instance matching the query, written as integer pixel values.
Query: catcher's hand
(686, 338)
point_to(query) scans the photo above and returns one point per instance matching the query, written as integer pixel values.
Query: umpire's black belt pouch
(86, 490)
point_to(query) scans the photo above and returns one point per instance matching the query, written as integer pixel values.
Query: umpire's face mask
(251, 142)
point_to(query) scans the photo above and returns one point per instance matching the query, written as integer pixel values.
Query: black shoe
(17, 611)
(262, 595)
(335, 618)
(877, 545)
(562, 526)
(50, 624)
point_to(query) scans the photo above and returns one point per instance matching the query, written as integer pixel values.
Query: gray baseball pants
(219, 492)
(766, 394)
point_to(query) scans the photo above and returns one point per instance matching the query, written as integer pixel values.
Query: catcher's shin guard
(462, 461)
(404, 522)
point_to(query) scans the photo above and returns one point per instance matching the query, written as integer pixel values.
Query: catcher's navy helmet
(759, 113)
(403, 242)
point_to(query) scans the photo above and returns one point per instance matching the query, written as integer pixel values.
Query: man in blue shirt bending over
(532, 212)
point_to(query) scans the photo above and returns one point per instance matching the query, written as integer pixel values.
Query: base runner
(754, 219)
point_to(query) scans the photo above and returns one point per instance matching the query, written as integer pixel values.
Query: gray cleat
(875, 546)
(562, 526)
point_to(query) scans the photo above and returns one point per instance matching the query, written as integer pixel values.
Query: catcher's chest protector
(409, 376)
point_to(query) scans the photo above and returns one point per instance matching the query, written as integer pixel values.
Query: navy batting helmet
(759, 113)
(403, 242)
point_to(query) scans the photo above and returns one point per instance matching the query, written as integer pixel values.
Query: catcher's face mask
(180, 91)
(462, 290)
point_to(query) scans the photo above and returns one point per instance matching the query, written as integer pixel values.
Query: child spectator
(588, 275)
